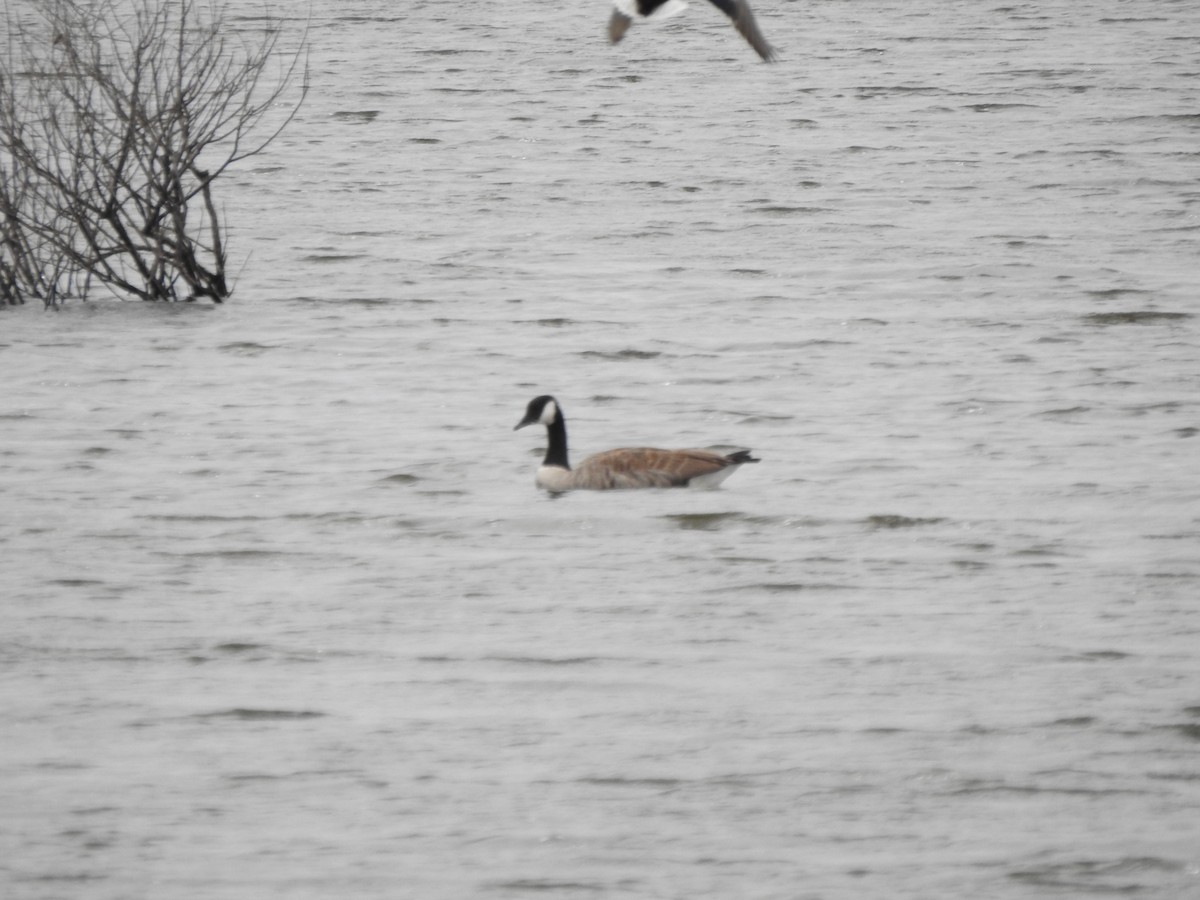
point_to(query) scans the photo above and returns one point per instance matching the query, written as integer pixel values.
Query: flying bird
(625, 12)
(629, 467)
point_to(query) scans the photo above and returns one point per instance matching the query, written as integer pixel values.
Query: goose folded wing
(641, 467)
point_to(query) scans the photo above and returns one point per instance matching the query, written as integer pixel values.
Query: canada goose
(626, 11)
(629, 467)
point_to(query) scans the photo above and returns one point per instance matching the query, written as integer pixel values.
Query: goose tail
(741, 456)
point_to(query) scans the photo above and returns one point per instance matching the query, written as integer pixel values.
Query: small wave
(702, 521)
(545, 660)
(245, 348)
(616, 781)
(400, 478)
(1189, 730)
(783, 587)
(549, 885)
(254, 715)
(1135, 317)
(628, 353)
(356, 115)
(894, 521)
(1115, 876)
(238, 647)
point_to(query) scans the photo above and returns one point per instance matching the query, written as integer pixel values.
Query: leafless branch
(116, 119)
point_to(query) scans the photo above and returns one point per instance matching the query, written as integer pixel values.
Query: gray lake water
(284, 616)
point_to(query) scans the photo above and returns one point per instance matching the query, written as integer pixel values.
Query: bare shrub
(116, 119)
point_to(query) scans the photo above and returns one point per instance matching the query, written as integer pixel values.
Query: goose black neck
(556, 447)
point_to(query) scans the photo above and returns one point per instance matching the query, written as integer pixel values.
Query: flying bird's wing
(743, 20)
(618, 25)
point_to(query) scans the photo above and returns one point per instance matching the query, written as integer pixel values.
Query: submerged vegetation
(117, 117)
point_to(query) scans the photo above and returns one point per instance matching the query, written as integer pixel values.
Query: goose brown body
(626, 468)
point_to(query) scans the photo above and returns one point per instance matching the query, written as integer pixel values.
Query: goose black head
(541, 410)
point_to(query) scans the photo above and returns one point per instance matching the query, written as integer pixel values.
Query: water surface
(284, 616)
